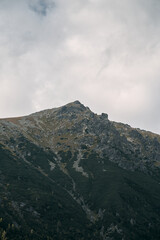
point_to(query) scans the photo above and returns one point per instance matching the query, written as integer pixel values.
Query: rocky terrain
(67, 173)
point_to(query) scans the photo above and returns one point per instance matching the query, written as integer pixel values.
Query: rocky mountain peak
(67, 111)
(74, 107)
(74, 125)
(68, 173)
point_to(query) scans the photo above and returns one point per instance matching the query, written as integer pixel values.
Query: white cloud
(105, 53)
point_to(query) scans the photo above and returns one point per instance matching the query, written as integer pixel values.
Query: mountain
(68, 173)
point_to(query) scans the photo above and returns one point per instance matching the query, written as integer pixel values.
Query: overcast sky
(104, 53)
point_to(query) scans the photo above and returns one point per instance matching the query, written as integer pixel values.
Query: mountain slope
(67, 173)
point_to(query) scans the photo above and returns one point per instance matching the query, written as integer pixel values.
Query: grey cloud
(41, 6)
(105, 53)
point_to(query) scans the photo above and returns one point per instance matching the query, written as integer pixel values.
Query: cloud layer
(106, 53)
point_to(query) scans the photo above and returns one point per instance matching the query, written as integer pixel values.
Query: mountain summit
(68, 173)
